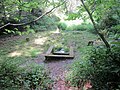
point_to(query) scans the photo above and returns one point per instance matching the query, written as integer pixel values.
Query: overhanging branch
(22, 24)
(93, 7)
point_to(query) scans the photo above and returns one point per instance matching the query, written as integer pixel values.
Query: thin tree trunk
(95, 27)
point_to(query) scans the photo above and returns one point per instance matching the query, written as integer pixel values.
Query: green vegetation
(61, 47)
(62, 26)
(97, 65)
(16, 53)
(35, 32)
(46, 23)
(81, 27)
(16, 72)
(15, 76)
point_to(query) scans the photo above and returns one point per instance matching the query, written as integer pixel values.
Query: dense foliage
(99, 66)
(20, 13)
(105, 69)
(32, 76)
(46, 23)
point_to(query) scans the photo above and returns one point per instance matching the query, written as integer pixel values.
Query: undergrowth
(17, 52)
(81, 27)
(99, 66)
(46, 23)
(14, 76)
(17, 67)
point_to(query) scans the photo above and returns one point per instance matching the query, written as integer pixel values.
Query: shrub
(90, 28)
(46, 23)
(33, 76)
(9, 71)
(62, 26)
(115, 29)
(101, 67)
(80, 69)
(109, 19)
(55, 18)
(36, 78)
(106, 68)
(77, 28)
(81, 27)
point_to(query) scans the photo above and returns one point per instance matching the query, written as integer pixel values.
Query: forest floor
(33, 50)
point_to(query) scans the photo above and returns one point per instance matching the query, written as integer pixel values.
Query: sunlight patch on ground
(31, 51)
(15, 53)
(40, 41)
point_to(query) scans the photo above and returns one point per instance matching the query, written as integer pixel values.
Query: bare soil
(57, 69)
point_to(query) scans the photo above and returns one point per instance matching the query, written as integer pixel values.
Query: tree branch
(94, 24)
(4, 25)
(21, 24)
(93, 7)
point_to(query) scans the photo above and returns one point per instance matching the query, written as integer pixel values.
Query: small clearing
(32, 51)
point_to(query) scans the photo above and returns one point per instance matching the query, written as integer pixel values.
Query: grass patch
(16, 53)
(39, 42)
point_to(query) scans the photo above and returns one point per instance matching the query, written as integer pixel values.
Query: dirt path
(57, 71)
(58, 68)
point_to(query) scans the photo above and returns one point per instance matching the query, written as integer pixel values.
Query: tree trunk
(95, 27)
